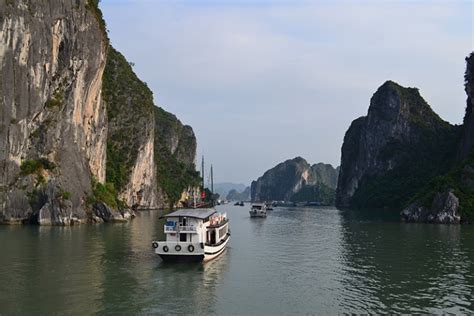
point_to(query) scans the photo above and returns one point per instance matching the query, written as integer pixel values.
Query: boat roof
(200, 213)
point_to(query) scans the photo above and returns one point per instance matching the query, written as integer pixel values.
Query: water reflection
(34, 281)
(296, 261)
(405, 268)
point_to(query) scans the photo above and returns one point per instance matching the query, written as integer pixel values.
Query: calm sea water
(296, 261)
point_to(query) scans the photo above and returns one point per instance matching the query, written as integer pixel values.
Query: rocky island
(296, 180)
(80, 137)
(403, 156)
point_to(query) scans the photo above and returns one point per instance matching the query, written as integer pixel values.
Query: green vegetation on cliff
(393, 152)
(36, 166)
(417, 164)
(174, 155)
(460, 178)
(93, 6)
(130, 106)
(133, 121)
(105, 193)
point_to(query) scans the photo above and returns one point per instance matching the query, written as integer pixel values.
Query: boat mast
(212, 182)
(202, 172)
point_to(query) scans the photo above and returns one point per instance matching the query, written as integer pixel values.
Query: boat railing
(181, 228)
(217, 221)
(170, 229)
(187, 228)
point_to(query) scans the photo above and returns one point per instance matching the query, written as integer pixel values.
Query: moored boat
(193, 235)
(258, 210)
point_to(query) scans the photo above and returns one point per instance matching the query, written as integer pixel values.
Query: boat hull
(211, 252)
(258, 214)
(182, 258)
(206, 254)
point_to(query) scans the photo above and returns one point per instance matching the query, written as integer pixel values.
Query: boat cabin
(193, 232)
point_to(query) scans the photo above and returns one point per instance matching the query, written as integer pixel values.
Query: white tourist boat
(258, 210)
(193, 235)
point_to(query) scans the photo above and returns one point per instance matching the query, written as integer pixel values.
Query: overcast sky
(264, 81)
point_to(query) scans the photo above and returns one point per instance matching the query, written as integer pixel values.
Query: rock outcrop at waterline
(64, 125)
(296, 180)
(393, 152)
(444, 209)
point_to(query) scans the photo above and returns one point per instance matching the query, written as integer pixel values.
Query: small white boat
(258, 210)
(193, 235)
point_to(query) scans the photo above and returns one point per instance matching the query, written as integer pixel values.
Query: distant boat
(258, 210)
(193, 235)
(269, 206)
(241, 203)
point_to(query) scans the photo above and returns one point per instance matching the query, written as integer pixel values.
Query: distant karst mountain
(223, 188)
(234, 195)
(296, 180)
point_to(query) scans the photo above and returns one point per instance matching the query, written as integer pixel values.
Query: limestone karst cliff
(175, 151)
(65, 124)
(394, 151)
(449, 198)
(287, 179)
(53, 122)
(131, 131)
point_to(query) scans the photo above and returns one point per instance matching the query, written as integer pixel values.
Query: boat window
(182, 237)
(223, 231)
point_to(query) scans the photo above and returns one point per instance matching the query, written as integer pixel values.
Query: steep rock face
(130, 142)
(174, 137)
(174, 152)
(450, 198)
(325, 173)
(287, 178)
(67, 155)
(467, 139)
(52, 56)
(388, 155)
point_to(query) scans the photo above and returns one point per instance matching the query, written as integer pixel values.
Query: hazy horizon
(263, 82)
